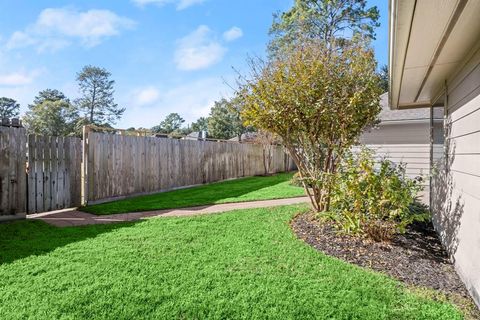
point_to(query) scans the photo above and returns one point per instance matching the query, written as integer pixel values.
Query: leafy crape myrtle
(318, 99)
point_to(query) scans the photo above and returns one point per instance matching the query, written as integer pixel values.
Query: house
(245, 137)
(196, 135)
(434, 61)
(403, 136)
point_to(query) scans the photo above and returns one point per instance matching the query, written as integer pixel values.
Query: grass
(239, 190)
(241, 264)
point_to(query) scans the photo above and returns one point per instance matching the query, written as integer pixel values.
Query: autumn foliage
(318, 99)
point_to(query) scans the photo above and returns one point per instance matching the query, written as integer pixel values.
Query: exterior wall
(407, 143)
(456, 189)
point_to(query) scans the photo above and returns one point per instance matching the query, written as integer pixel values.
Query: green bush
(374, 198)
(297, 180)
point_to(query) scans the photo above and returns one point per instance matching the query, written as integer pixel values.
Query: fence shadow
(218, 192)
(22, 239)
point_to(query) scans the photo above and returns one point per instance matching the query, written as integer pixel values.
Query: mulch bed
(416, 257)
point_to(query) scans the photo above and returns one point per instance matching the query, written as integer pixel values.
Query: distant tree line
(52, 113)
(223, 122)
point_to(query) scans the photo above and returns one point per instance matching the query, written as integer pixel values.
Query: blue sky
(165, 55)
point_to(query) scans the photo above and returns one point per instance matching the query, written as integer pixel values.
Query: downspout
(430, 188)
(446, 134)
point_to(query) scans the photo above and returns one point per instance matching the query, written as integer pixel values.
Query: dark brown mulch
(416, 257)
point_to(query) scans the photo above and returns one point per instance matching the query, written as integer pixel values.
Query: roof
(430, 42)
(246, 137)
(196, 135)
(420, 114)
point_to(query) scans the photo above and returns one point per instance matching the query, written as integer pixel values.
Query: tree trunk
(92, 104)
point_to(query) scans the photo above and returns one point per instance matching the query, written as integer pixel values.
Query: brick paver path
(72, 217)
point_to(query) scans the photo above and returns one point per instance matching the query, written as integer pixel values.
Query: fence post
(84, 170)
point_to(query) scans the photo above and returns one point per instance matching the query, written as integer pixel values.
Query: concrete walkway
(72, 217)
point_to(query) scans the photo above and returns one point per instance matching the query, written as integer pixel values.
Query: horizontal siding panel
(463, 94)
(412, 150)
(416, 157)
(401, 145)
(466, 183)
(467, 256)
(466, 163)
(469, 144)
(467, 222)
(466, 125)
(415, 172)
(398, 133)
(405, 157)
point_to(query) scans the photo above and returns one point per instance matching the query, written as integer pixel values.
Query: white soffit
(429, 41)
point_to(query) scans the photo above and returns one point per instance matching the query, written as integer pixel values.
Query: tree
(224, 121)
(97, 100)
(52, 118)
(171, 124)
(49, 95)
(200, 125)
(383, 74)
(322, 20)
(318, 100)
(53, 114)
(9, 108)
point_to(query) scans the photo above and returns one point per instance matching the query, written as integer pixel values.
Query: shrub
(374, 197)
(298, 181)
(318, 99)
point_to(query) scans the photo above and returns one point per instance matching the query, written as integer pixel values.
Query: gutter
(410, 121)
(392, 7)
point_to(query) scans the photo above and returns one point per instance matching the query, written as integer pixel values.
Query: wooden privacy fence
(119, 166)
(54, 173)
(42, 173)
(12, 172)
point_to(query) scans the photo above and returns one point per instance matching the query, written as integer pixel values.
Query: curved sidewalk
(72, 217)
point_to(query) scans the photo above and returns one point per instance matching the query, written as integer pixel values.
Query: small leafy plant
(374, 198)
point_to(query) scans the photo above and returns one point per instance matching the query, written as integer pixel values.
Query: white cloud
(56, 28)
(146, 96)
(180, 4)
(190, 99)
(232, 34)
(19, 78)
(198, 50)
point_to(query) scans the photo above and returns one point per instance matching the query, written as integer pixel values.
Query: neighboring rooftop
(246, 137)
(420, 114)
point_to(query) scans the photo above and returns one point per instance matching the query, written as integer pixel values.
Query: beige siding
(457, 187)
(407, 143)
(398, 133)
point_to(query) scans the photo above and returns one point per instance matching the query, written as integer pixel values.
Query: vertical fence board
(121, 165)
(39, 173)
(54, 167)
(21, 170)
(48, 192)
(32, 204)
(54, 175)
(12, 172)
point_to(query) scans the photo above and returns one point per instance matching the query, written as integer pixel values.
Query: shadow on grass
(21, 239)
(244, 189)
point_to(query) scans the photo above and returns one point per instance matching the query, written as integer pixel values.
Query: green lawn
(242, 264)
(245, 189)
